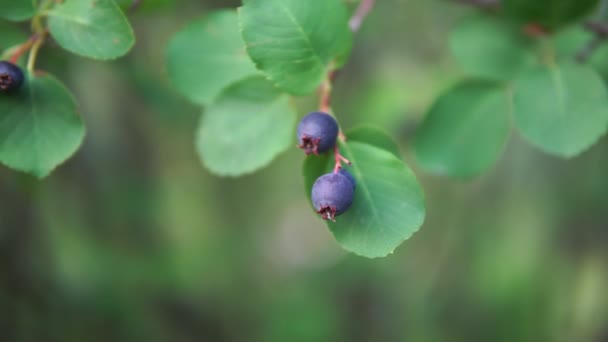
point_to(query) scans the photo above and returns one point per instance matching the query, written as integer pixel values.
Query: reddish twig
(355, 22)
(586, 51)
(600, 30)
(325, 91)
(23, 48)
(535, 30)
(325, 95)
(339, 158)
(365, 6)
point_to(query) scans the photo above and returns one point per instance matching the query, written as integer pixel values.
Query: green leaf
(91, 28)
(246, 128)
(375, 137)
(570, 41)
(17, 10)
(146, 6)
(207, 56)
(389, 203)
(39, 126)
(465, 131)
(10, 36)
(491, 47)
(562, 109)
(548, 13)
(294, 41)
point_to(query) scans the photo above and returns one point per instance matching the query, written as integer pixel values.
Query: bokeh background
(133, 240)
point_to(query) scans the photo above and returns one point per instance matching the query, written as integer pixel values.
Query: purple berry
(11, 76)
(332, 195)
(350, 177)
(317, 133)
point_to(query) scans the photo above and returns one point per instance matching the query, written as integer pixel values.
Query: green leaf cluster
(557, 104)
(242, 66)
(39, 124)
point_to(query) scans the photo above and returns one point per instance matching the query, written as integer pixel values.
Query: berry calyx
(332, 194)
(317, 133)
(11, 76)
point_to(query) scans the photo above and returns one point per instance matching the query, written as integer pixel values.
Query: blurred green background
(133, 240)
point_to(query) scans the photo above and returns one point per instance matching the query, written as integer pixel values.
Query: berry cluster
(332, 193)
(11, 77)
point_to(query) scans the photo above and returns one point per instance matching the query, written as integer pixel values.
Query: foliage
(132, 238)
(556, 104)
(245, 66)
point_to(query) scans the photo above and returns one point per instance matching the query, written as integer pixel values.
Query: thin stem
(339, 158)
(600, 31)
(325, 90)
(31, 62)
(547, 52)
(41, 13)
(535, 30)
(598, 28)
(586, 51)
(23, 48)
(365, 7)
(40, 32)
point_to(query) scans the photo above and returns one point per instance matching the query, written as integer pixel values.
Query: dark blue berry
(332, 195)
(350, 177)
(11, 76)
(317, 132)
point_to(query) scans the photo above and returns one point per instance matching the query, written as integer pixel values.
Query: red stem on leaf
(355, 22)
(23, 48)
(365, 6)
(535, 30)
(325, 97)
(339, 158)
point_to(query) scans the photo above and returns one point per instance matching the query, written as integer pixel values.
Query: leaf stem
(31, 62)
(40, 32)
(325, 90)
(547, 52)
(339, 158)
(365, 7)
(23, 48)
(600, 32)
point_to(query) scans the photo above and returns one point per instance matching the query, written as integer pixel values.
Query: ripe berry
(332, 195)
(350, 177)
(11, 76)
(317, 133)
